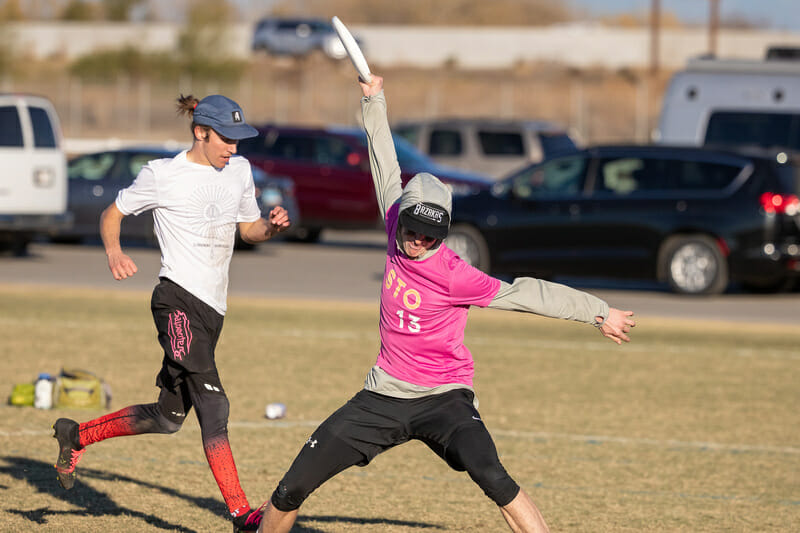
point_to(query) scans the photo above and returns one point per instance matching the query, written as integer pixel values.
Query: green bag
(82, 390)
(22, 395)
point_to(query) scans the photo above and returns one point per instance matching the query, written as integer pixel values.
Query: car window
(10, 127)
(90, 167)
(703, 175)
(560, 177)
(136, 162)
(759, 129)
(620, 176)
(43, 134)
(554, 143)
(445, 143)
(409, 133)
(331, 151)
(623, 176)
(408, 157)
(501, 143)
(288, 146)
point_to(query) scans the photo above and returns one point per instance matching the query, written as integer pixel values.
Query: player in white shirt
(197, 198)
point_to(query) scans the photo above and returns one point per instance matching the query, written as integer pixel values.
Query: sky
(775, 14)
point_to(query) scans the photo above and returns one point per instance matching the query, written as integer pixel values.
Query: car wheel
(694, 264)
(469, 244)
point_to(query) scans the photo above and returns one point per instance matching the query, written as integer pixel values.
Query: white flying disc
(353, 50)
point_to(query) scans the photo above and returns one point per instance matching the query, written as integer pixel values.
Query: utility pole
(655, 26)
(713, 26)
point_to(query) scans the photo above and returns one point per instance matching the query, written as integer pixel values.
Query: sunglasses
(414, 236)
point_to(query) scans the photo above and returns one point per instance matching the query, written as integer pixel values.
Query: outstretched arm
(121, 265)
(382, 156)
(555, 300)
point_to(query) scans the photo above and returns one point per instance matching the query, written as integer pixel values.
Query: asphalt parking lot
(349, 266)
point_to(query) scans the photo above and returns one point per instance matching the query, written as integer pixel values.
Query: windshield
(409, 158)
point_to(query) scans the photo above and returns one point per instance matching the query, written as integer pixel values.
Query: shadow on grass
(300, 528)
(91, 502)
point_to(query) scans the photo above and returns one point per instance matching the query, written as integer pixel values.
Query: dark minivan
(695, 218)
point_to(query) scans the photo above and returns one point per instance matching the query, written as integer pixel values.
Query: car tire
(693, 264)
(470, 245)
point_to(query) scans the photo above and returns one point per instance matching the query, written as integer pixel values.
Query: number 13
(413, 321)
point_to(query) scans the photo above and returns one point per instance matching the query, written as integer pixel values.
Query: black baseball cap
(224, 116)
(426, 218)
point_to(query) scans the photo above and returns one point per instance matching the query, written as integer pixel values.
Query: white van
(728, 102)
(33, 183)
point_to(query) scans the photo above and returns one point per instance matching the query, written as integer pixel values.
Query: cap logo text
(237, 116)
(429, 212)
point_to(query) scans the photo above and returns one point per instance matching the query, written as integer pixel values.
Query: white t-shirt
(195, 212)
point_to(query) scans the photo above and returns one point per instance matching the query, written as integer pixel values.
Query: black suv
(693, 217)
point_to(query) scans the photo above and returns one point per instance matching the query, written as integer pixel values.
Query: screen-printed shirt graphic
(424, 309)
(195, 212)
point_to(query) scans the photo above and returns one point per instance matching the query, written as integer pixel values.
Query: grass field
(691, 427)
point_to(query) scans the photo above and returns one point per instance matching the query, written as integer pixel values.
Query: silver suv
(492, 147)
(297, 37)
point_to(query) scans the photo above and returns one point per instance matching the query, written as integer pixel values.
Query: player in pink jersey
(421, 385)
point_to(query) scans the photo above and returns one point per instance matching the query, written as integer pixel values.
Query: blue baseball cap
(224, 116)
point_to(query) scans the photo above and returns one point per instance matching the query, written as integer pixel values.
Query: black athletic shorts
(371, 423)
(188, 331)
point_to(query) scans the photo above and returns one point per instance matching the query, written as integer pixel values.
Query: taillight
(779, 204)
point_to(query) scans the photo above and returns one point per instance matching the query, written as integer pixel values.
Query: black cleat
(69, 451)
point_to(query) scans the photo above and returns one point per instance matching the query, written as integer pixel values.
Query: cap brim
(238, 132)
(419, 226)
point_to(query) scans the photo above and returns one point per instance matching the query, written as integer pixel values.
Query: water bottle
(43, 392)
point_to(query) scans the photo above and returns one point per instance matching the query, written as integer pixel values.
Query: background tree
(78, 10)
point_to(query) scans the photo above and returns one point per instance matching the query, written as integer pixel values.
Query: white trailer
(728, 102)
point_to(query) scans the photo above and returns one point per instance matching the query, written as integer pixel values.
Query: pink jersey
(424, 308)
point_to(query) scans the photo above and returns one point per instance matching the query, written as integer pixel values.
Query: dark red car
(330, 170)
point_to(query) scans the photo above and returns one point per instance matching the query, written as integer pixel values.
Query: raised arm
(382, 156)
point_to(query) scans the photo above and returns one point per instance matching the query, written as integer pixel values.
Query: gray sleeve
(382, 157)
(549, 299)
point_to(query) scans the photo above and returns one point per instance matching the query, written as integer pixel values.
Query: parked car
(298, 37)
(330, 170)
(96, 178)
(33, 186)
(692, 217)
(492, 147)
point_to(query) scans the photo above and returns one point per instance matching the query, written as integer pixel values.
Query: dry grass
(686, 429)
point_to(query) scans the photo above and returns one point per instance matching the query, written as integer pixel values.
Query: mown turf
(688, 428)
